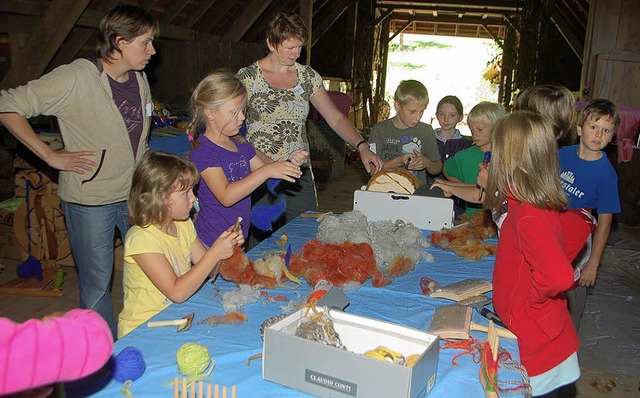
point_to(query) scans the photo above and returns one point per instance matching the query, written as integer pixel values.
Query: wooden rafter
(397, 32)
(45, 40)
(248, 16)
(320, 28)
(78, 38)
(199, 12)
(172, 11)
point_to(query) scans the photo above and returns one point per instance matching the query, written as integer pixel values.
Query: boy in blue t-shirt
(591, 183)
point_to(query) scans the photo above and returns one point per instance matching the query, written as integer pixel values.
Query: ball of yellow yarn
(193, 359)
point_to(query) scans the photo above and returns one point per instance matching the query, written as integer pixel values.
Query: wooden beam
(45, 40)
(466, 19)
(327, 22)
(199, 12)
(18, 23)
(91, 19)
(67, 52)
(78, 38)
(244, 21)
(576, 45)
(397, 32)
(306, 13)
(495, 38)
(383, 16)
(469, 5)
(23, 7)
(174, 9)
(221, 11)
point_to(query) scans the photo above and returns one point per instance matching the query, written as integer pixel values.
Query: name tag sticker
(298, 90)
(149, 109)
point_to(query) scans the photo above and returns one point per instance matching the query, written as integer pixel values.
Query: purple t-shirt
(214, 218)
(127, 98)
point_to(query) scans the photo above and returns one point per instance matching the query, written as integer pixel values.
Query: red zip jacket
(531, 274)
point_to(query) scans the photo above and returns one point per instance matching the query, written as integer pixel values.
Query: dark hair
(599, 108)
(125, 22)
(453, 100)
(157, 176)
(285, 25)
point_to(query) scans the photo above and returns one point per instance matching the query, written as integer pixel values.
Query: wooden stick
(216, 391)
(184, 388)
(208, 390)
(200, 389)
(234, 391)
(176, 388)
(224, 391)
(193, 389)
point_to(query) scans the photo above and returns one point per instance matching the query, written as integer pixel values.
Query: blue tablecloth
(400, 302)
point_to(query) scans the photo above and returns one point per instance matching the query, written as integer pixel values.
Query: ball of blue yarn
(128, 365)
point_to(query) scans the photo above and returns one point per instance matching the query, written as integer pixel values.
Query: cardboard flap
(422, 211)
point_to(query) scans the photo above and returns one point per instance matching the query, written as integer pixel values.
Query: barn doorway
(446, 65)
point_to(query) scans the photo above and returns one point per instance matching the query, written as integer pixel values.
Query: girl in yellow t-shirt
(164, 261)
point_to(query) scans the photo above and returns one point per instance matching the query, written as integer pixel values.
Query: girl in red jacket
(532, 272)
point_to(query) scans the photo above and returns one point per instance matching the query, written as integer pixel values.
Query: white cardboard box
(327, 371)
(424, 212)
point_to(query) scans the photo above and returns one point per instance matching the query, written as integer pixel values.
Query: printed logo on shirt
(567, 179)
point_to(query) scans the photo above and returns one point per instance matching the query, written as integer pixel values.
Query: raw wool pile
(390, 241)
(236, 299)
(467, 239)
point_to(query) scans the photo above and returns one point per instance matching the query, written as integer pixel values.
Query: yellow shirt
(142, 299)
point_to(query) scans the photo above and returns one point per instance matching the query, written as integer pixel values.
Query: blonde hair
(212, 92)
(411, 90)
(157, 176)
(524, 164)
(554, 102)
(487, 112)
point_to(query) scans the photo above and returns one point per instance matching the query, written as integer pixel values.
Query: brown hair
(524, 164)
(554, 102)
(411, 90)
(125, 22)
(212, 92)
(599, 108)
(157, 176)
(285, 25)
(453, 100)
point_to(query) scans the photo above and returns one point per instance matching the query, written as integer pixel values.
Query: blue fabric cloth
(401, 302)
(91, 230)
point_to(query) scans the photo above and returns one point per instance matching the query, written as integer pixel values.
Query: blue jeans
(91, 231)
